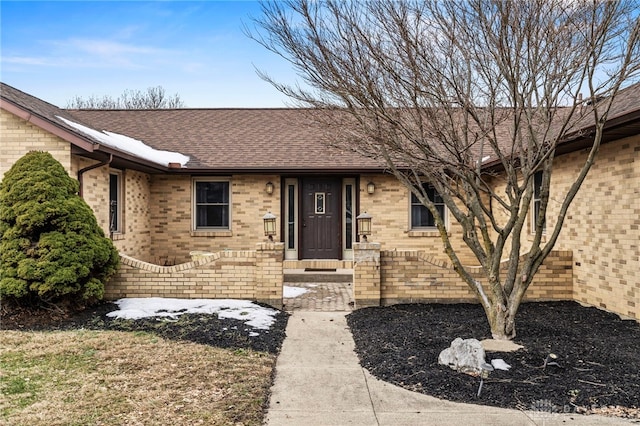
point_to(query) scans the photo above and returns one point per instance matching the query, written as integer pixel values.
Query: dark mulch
(598, 372)
(199, 328)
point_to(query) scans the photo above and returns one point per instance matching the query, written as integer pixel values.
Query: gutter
(81, 172)
(80, 141)
(572, 141)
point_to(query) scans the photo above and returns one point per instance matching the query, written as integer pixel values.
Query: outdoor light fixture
(485, 369)
(371, 188)
(269, 188)
(364, 225)
(550, 360)
(269, 225)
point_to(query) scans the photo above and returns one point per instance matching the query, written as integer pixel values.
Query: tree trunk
(502, 322)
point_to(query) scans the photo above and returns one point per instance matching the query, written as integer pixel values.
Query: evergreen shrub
(51, 247)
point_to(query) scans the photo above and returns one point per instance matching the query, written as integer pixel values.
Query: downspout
(81, 172)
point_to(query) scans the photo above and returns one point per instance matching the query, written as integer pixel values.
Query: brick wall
(172, 235)
(391, 224)
(602, 226)
(366, 275)
(251, 275)
(95, 188)
(19, 137)
(415, 276)
(135, 239)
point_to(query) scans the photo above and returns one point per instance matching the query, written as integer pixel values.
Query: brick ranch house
(188, 223)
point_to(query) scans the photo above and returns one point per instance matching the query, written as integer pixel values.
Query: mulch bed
(598, 371)
(199, 328)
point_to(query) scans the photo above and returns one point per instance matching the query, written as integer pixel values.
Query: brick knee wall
(250, 275)
(413, 276)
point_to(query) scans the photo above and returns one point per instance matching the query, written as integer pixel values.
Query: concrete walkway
(320, 382)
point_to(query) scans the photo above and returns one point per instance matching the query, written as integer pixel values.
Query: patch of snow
(291, 292)
(484, 159)
(499, 364)
(130, 145)
(253, 315)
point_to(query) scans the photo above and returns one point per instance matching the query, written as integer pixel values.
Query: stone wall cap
(367, 246)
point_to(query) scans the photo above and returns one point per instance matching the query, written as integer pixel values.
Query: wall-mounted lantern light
(371, 188)
(269, 188)
(269, 225)
(364, 225)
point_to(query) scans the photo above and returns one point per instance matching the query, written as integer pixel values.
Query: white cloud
(25, 60)
(107, 48)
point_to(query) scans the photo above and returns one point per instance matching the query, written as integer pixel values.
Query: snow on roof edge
(130, 145)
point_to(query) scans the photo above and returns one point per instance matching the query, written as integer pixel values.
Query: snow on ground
(253, 315)
(291, 292)
(130, 145)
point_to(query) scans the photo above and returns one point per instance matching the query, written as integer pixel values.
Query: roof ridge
(187, 109)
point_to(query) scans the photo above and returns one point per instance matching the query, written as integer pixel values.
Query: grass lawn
(84, 377)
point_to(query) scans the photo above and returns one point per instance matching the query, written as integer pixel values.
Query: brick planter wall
(250, 275)
(413, 276)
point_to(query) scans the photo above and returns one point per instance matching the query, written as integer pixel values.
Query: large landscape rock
(465, 355)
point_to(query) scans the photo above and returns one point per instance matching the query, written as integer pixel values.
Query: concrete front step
(306, 276)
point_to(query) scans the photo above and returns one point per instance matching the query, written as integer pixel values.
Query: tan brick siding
(95, 188)
(251, 275)
(602, 226)
(135, 239)
(17, 137)
(415, 276)
(366, 275)
(391, 224)
(172, 235)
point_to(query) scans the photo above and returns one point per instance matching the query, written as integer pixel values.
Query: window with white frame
(537, 190)
(421, 217)
(115, 202)
(211, 204)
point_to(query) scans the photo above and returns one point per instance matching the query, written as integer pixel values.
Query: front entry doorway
(320, 218)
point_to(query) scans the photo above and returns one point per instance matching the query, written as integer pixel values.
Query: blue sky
(56, 50)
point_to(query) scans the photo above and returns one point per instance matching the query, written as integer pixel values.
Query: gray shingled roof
(242, 139)
(272, 139)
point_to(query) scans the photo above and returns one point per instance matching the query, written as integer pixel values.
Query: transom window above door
(211, 204)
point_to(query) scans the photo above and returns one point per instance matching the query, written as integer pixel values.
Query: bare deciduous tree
(153, 98)
(442, 89)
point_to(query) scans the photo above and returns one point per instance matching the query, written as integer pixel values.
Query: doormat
(320, 269)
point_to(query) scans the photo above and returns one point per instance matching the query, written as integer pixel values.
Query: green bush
(51, 247)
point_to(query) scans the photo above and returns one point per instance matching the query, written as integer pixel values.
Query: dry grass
(114, 378)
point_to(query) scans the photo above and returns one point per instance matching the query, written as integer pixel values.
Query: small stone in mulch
(493, 345)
